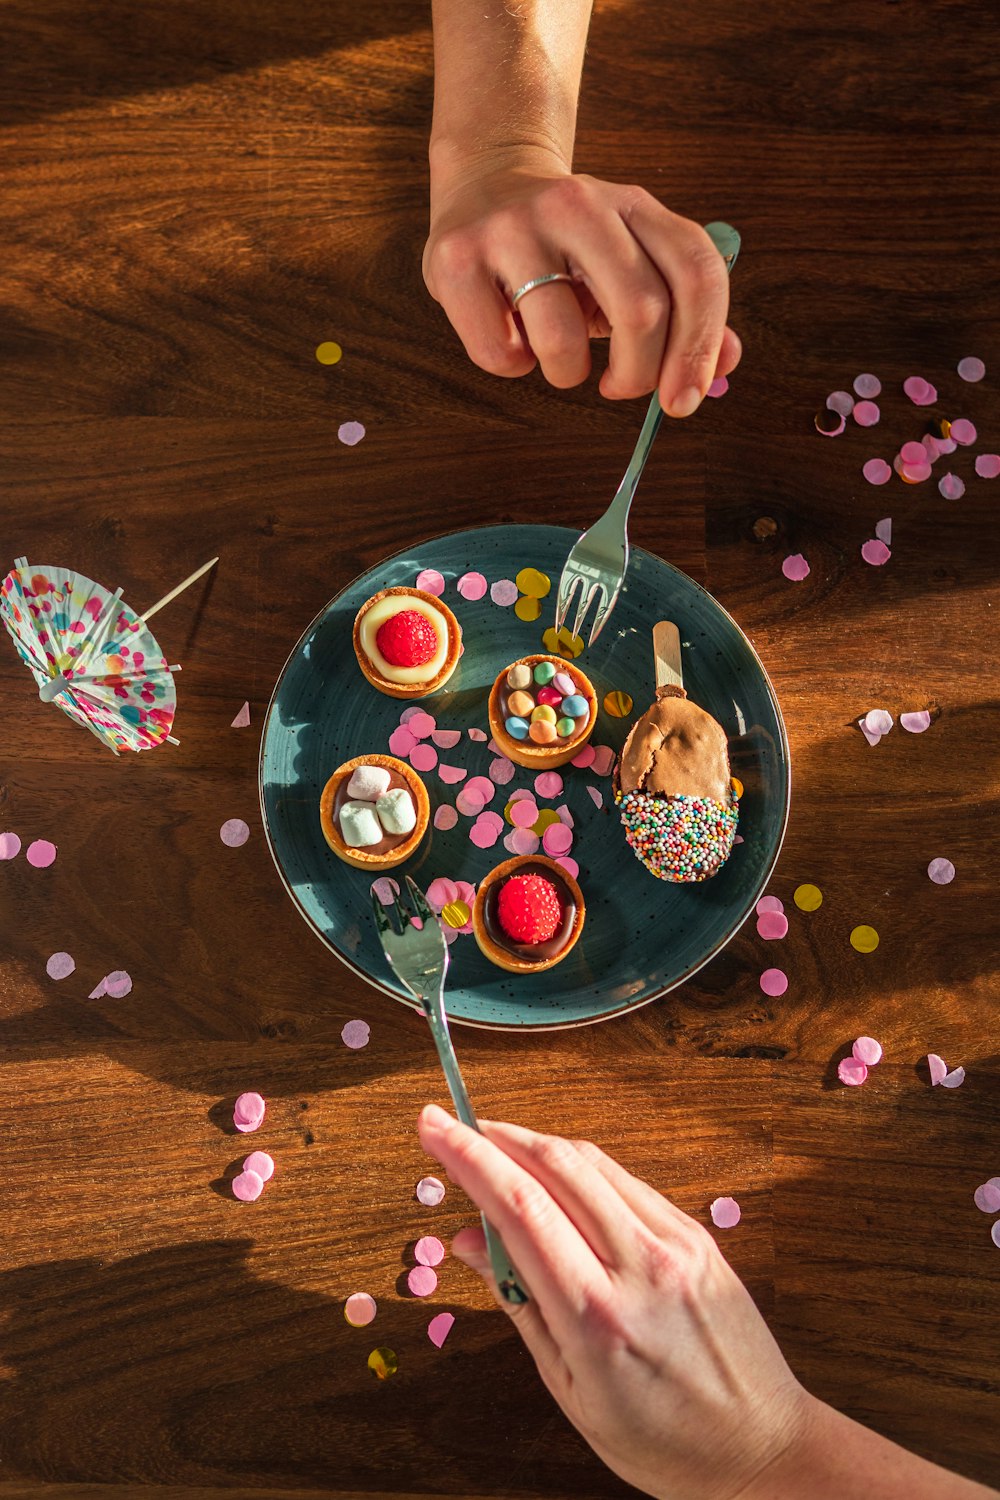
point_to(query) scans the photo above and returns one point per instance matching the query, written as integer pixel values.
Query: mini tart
(502, 956)
(408, 598)
(526, 752)
(364, 859)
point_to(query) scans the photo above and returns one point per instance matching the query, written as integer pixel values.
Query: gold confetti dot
(737, 786)
(545, 819)
(536, 585)
(764, 527)
(328, 353)
(456, 913)
(865, 939)
(383, 1363)
(527, 608)
(506, 814)
(808, 897)
(562, 644)
(617, 704)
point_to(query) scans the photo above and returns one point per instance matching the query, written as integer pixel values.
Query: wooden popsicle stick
(667, 657)
(149, 613)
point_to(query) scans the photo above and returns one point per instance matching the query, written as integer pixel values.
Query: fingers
(656, 1211)
(476, 308)
(469, 1245)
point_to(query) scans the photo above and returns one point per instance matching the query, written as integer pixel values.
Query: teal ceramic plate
(643, 936)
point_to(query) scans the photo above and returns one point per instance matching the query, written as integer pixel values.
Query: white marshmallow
(359, 827)
(396, 811)
(368, 783)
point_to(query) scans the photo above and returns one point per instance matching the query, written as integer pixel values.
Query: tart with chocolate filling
(407, 642)
(542, 711)
(374, 811)
(528, 914)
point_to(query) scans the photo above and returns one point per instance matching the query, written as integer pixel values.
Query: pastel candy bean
(517, 728)
(564, 684)
(544, 712)
(368, 783)
(519, 676)
(359, 827)
(544, 672)
(542, 732)
(396, 811)
(575, 706)
(520, 704)
(550, 696)
(565, 727)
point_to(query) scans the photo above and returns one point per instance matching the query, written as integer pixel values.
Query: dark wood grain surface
(195, 195)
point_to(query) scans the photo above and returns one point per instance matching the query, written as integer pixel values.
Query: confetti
(60, 965)
(428, 1251)
(383, 1363)
(866, 413)
(430, 581)
(356, 1034)
(867, 386)
(484, 835)
(774, 982)
(987, 1196)
(569, 865)
(988, 465)
(422, 1281)
(328, 353)
(941, 871)
(481, 787)
(522, 842)
(808, 897)
(954, 1079)
(117, 984)
(868, 1051)
(445, 817)
(469, 804)
(878, 721)
(548, 784)
(557, 839)
(584, 757)
(875, 552)
(872, 739)
(478, 734)
(951, 487)
(351, 433)
(440, 893)
(604, 760)
(360, 1310)
(261, 1163)
(501, 770)
(41, 854)
(995, 1234)
(852, 1071)
(423, 757)
(527, 608)
(10, 846)
(795, 567)
(98, 991)
(457, 914)
(248, 1112)
(401, 742)
(247, 1187)
(536, 585)
(772, 924)
(446, 739)
(883, 530)
(234, 832)
(524, 812)
(421, 724)
(915, 723)
(737, 786)
(439, 1328)
(430, 1191)
(725, 1213)
(864, 939)
(565, 816)
(242, 719)
(920, 391)
(971, 369)
(963, 432)
(937, 1067)
(617, 704)
(408, 713)
(719, 387)
(504, 593)
(472, 586)
(829, 423)
(915, 473)
(842, 402)
(769, 903)
(451, 775)
(562, 642)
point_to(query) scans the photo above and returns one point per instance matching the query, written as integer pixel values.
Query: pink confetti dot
(919, 390)
(913, 453)
(883, 530)
(10, 846)
(445, 817)
(877, 471)
(868, 1051)
(584, 757)
(360, 1309)
(917, 722)
(242, 719)
(769, 903)
(60, 966)
(557, 839)
(951, 487)
(795, 567)
(469, 804)
(428, 1251)
(878, 721)
(478, 734)
(421, 724)
(408, 713)
(504, 592)
(774, 982)
(866, 413)
(937, 1067)
(565, 816)
(852, 1071)
(439, 1328)
(446, 739)
(548, 784)
(941, 871)
(971, 369)
(247, 1187)
(595, 796)
(875, 552)
(248, 1112)
(234, 832)
(431, 582)
(522, 841)
(481, 787)
(987, 1196)
(872, 739)
(946, 445)
(118, 984)
(524, 812)
(401, 742)
(483, 835)
(98, 990)
(519, 794)
(423, 757)
(954, 1079)
(916, 473)
(569, 865)
(350, 433)
(963, 432)
(41, 854)
(988, 465)
(726, 1213)
(490, 819)
(261, 1163)
(842, 402)
(831, 432)
(356, 1034)
(719, 387)
(995, 1234)
(386, 889)
(502, 770)
(430, 1191)
(772, 924)
(472, 585)
(441, 893)
(603, 762)
(867, 386)
(422, 1281)
(451, 775)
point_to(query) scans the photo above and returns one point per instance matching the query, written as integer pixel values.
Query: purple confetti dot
(878, 721)
(915, 723)
(795, 567)
(868, 1051)
(386, 889)
(951, 487)
(430, 1191)
(234, 832)
(883, 530)
(941, 871)
(118, 984)
(10, 846)
(995, 1234)
(350, 433)
(719, 387)
(868, 386)
(842, 402)
(60, 966)
(356, 1034)
(987, 1196)
(726, 1213)
(439, 1328)
(446, 817)
(971, 369)
(504, 592)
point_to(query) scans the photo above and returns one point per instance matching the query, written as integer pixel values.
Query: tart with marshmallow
(542, 711)
(374, 811)
(528, 914)
(407, 642)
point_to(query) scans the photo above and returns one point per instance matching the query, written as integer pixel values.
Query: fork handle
(504, 1274)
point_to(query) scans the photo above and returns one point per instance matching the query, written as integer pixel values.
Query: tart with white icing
(374, 811)
(407, 642)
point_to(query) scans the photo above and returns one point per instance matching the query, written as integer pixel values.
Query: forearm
(506, 77)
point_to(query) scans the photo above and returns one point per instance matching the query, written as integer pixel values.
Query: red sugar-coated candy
(550, 696)
(528, 909)
(407, 639)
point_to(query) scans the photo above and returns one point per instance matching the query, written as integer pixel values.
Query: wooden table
(196, 196)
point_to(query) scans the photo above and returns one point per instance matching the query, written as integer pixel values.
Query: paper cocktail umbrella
(93, 655)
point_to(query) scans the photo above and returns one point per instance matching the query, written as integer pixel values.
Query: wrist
(795, 1454)
(455, 162)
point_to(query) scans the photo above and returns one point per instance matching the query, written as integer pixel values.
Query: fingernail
(437, 1118)
(687, 402)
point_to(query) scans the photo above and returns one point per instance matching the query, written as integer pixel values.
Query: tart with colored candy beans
(374, 810)
(528, 914)
(542, 711)
(407, 642)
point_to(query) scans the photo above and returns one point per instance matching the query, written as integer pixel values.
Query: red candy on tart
(528, 909)
(528, 914)
(407, 639)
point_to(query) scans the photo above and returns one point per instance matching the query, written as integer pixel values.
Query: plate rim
(522, 1026)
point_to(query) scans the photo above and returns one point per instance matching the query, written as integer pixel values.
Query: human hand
(648, 278)
(646, 1338)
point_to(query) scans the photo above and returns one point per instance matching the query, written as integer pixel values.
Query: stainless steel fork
(418, 956)
(599, 559)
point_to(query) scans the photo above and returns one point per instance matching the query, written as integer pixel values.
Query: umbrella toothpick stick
(178, 590)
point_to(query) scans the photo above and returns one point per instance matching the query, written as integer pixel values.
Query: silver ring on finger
(529, 286)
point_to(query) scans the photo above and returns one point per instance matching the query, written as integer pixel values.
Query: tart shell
(409, 689)
(361, 859)
(501, 956)
(526, 752)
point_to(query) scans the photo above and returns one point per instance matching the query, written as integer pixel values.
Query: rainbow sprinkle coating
(678, 838)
